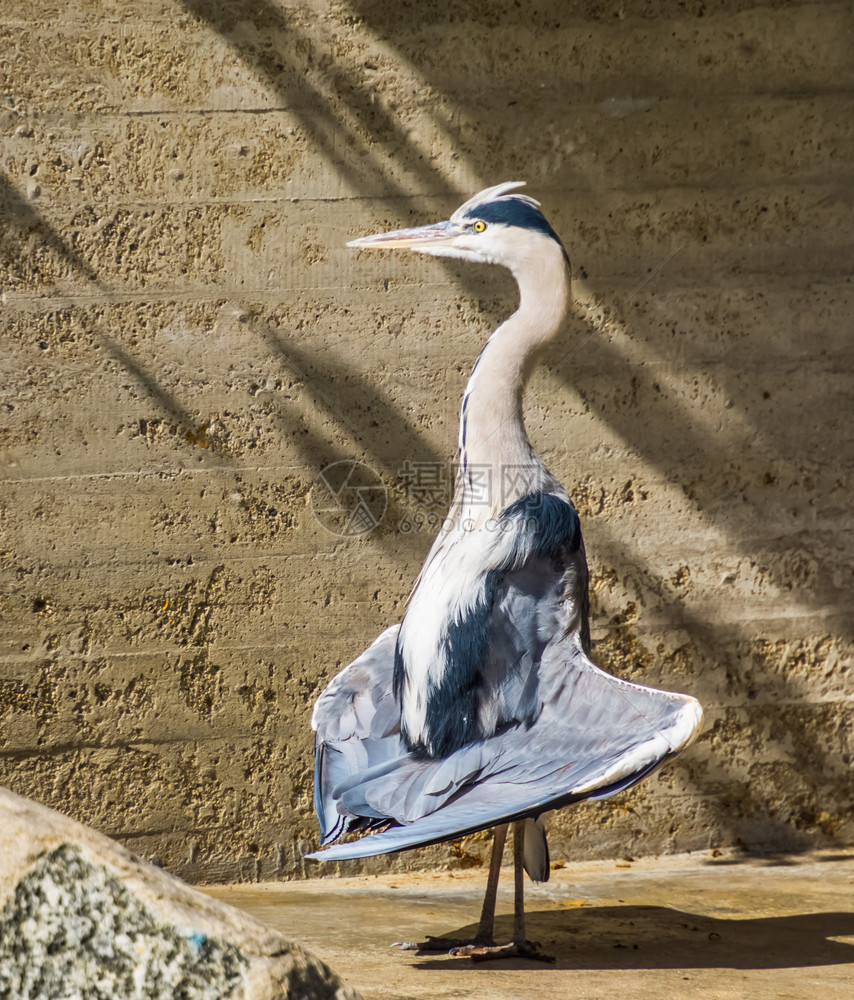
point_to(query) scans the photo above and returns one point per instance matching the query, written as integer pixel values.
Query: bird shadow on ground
(656, 937)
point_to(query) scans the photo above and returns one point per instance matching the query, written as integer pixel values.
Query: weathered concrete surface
(187, 344)
(81, 917)
(714, 926)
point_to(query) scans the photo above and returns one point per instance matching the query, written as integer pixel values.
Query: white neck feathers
(492, 431)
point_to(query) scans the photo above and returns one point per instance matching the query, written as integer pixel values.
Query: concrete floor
(716, 926)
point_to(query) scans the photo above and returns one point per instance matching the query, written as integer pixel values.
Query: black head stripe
(515, 212)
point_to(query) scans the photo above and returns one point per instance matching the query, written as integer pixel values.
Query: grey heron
(482, 708)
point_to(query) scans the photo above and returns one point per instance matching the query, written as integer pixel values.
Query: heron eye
(479, 226)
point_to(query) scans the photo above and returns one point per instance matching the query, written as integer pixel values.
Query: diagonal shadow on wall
(815, 765)
(338, 111)
(24, 223)
(606, 374)
(382, 437)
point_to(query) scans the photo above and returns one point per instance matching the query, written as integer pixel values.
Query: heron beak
(409, 239)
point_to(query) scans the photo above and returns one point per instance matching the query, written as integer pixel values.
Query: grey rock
(81, 918)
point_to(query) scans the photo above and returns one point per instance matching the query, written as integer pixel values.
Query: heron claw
(490, 953)
(450, 946)
(477, 951)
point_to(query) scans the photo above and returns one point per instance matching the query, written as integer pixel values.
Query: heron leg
(518, 884)
(519, 947)
(487, 913)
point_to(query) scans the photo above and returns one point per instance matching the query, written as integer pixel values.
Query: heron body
(482, 707)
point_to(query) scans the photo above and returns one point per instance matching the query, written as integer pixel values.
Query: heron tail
(535, 857)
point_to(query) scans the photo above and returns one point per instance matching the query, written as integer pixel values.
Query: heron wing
(595, 736)
(552, 727)
(357, 724)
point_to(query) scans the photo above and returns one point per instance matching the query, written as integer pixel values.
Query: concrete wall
(187, 344)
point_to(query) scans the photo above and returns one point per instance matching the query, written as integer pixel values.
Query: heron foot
(450, 946)
(492, 952)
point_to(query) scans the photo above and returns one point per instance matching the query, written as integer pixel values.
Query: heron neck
(493, 438)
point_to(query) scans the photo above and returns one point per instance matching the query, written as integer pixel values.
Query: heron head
(493, 227)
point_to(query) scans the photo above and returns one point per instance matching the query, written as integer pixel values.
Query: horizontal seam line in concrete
(214, 560)
(55, 297)
(216, 648)
(58, 298)
(260, 555)
(179, 832)
(448, 96)
(237, 738)
(231, 470)
(151, 473)
(263, 557)
(24, 752)
(725, 99)
(128, 653)
(809, 180)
